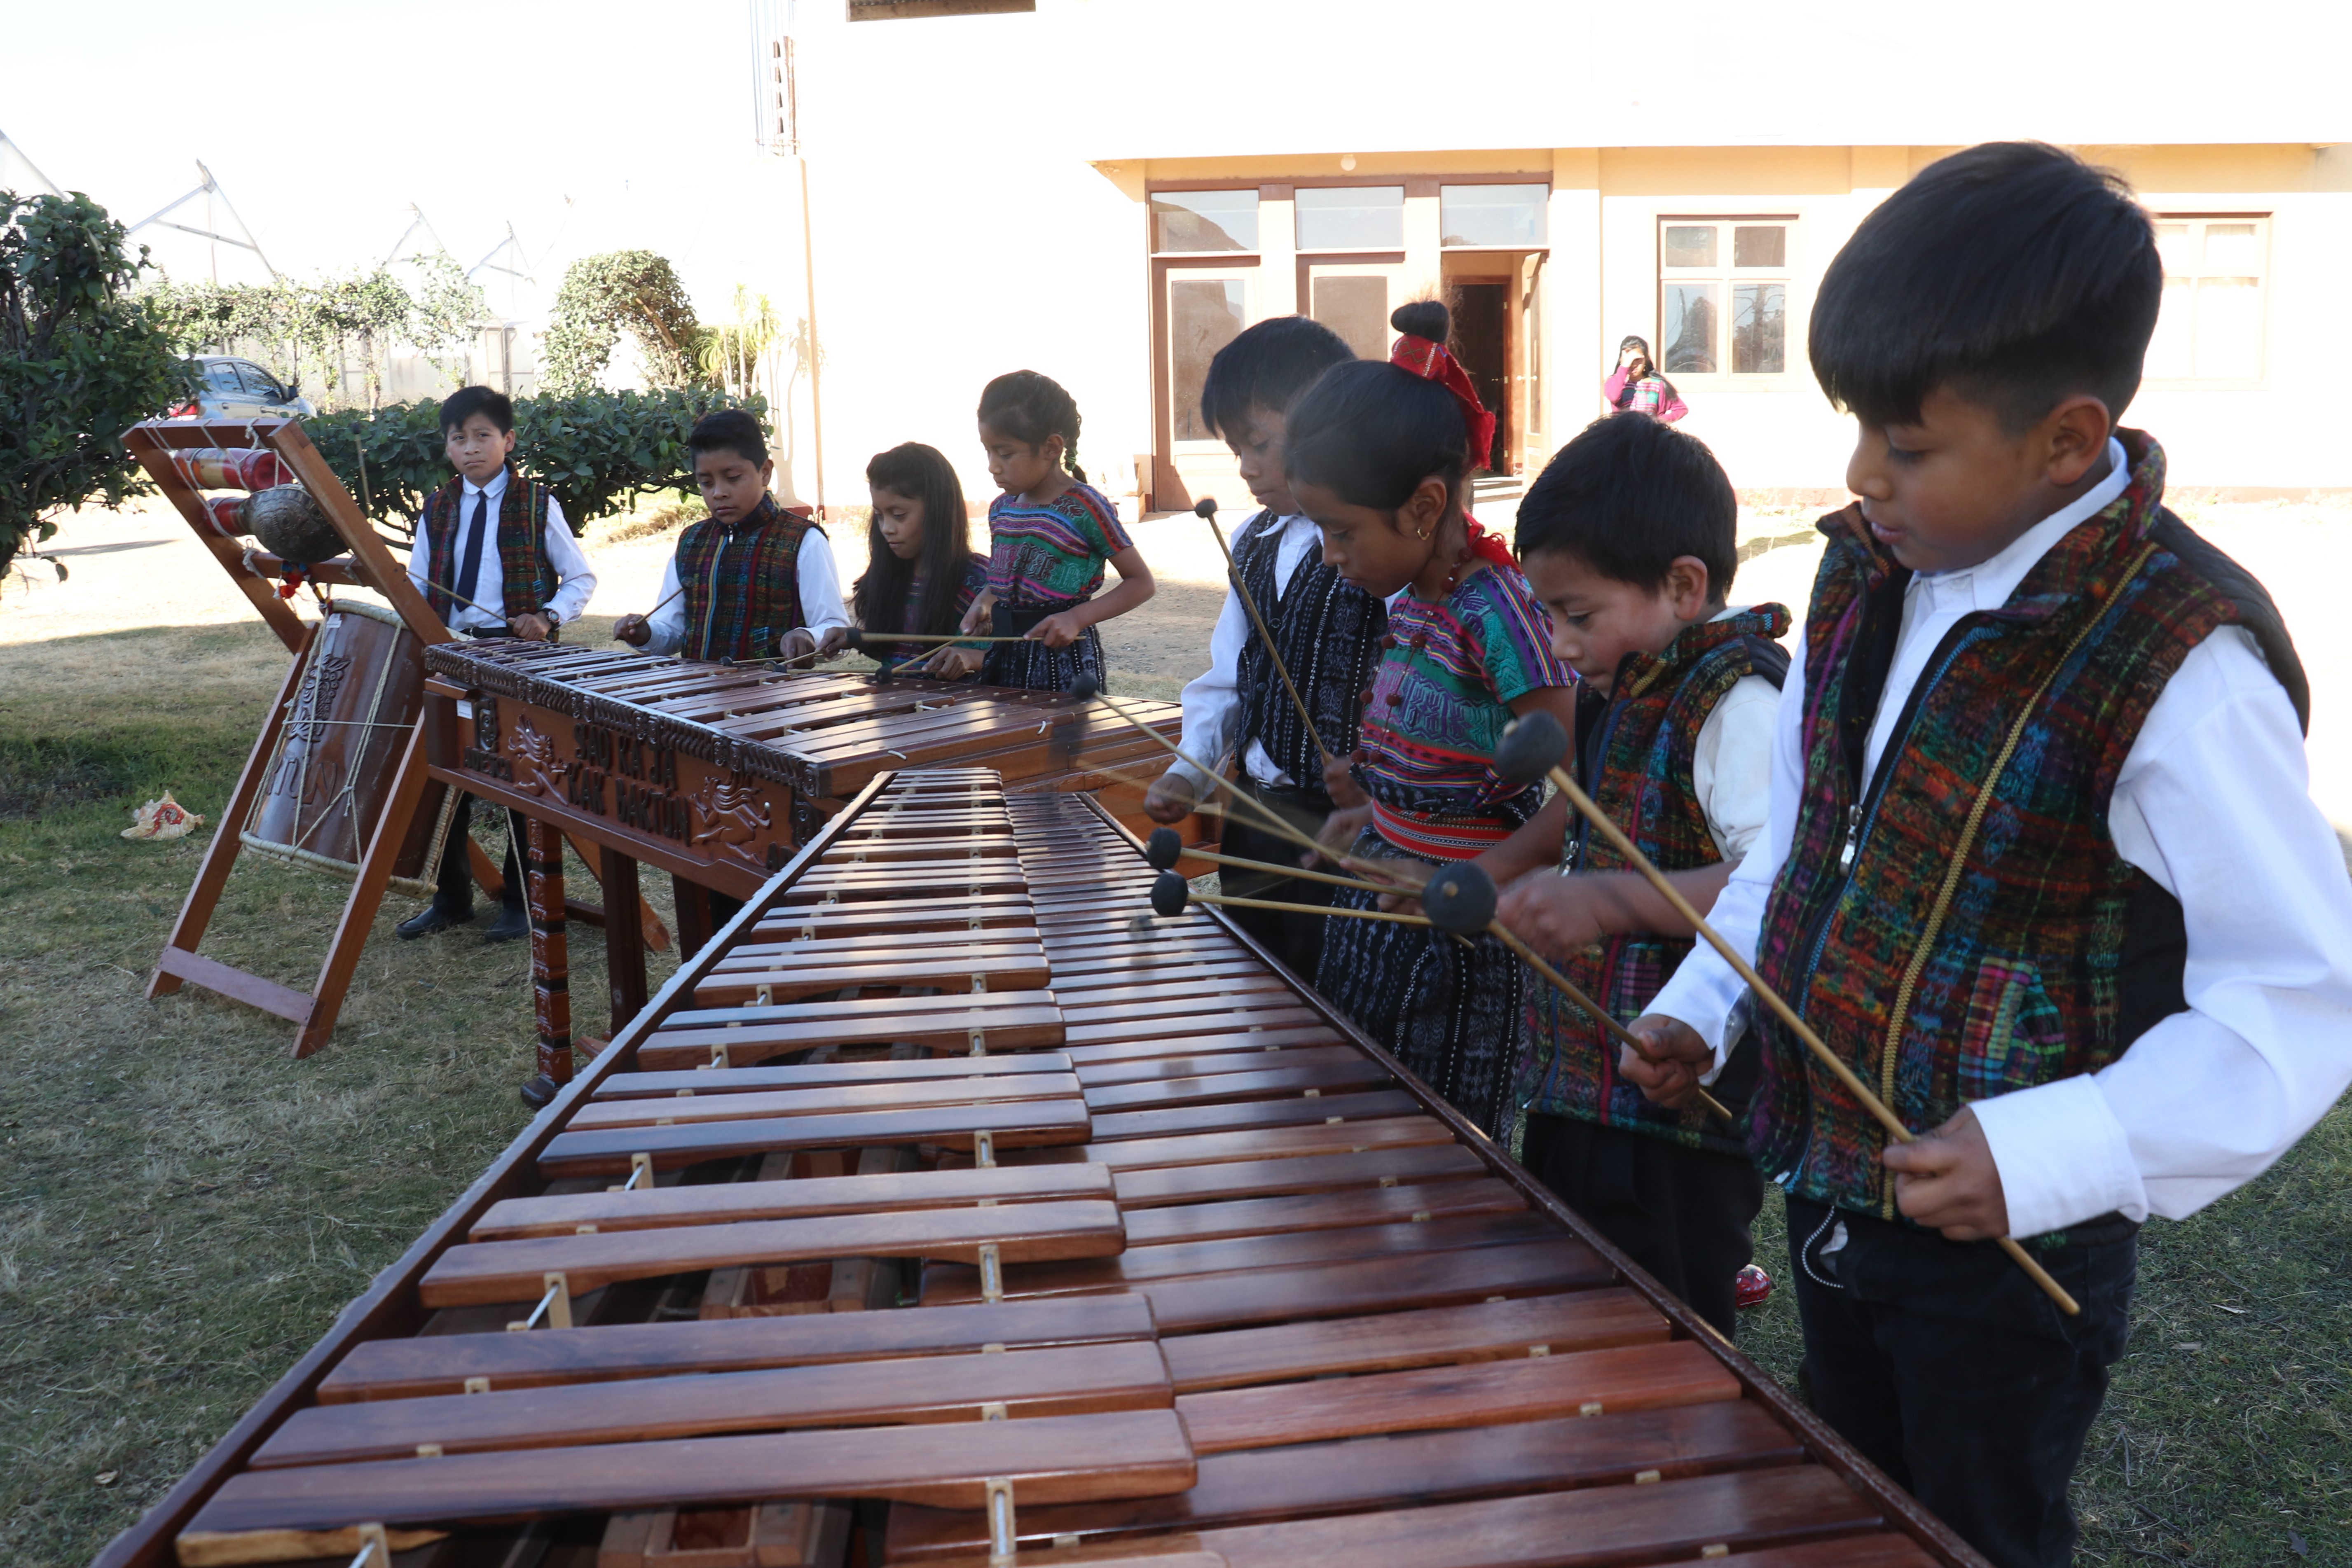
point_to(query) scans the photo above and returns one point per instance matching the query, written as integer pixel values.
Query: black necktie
(470, 559)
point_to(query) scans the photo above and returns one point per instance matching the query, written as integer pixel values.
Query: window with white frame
(1723, 296)
(2211, 329)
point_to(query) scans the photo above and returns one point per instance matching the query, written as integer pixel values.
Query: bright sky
(592, 125)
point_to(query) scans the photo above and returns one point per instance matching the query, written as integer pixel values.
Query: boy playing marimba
(2039, 863)
(498, 560)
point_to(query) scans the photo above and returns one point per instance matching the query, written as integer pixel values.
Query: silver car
(231, 388)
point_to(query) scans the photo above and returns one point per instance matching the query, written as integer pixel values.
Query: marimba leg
(624, 937)
(551, 964)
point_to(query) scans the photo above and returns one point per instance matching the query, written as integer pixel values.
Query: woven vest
(743, 587)
(1328, 632)
(1965, 927)
(1640, 766)
(527, 576)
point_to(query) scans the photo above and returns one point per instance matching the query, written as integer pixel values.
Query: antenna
(12, 158)
(208, 188)
(417, 220)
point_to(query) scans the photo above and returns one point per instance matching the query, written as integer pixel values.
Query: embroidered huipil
(1052, 554)
(1440, 699)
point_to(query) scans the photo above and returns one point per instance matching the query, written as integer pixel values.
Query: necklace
(1453, 578)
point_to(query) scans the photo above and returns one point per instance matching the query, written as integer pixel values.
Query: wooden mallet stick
(1086, 689)
(1457, 897)
(1462, 903)
(1531, 749)
(1206, 510)
(1171, 893)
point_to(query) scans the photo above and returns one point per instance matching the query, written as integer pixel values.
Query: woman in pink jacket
(1636, 387)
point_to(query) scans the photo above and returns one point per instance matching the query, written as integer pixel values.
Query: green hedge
(596, 450)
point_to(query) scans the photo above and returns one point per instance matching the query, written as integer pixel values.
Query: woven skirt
(1450, 1013)
(1034, 665)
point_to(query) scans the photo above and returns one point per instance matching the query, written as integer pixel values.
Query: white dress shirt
(2213, 802)
(1731, 763)
(1212, 701)
(574, 585)
(820, 586)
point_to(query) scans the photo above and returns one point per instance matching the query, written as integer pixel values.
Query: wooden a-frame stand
(256, 574)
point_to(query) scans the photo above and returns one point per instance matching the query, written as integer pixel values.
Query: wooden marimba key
(1185, 1271)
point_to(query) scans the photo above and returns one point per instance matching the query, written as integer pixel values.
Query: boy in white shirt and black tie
(493, 558)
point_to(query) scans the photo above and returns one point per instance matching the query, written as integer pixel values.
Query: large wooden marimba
(948, 1207)
(718, 772)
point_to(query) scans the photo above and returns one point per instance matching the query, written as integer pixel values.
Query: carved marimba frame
(715, 773)
(1182, 1253)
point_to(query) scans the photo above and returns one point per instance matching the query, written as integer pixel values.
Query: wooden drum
(361, 689)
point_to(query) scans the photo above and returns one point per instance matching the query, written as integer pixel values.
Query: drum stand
(256, 571)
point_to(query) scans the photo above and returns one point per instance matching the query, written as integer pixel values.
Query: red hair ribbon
(1432, 361)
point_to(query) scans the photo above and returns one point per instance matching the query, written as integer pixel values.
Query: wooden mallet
(1206, 510)
(1532, 750)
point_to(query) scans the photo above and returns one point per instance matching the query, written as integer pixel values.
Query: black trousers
(1296, 939)
(1685, 1215)
(1954, 1375)
(454, 890)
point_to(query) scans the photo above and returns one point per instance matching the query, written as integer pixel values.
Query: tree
(81, 362)
(633, 291)
(447, 305)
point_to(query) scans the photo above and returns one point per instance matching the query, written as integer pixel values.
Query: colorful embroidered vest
(1328, 632)
(1640, 766)
(742, 586)
(1965, 927)
(528, 577)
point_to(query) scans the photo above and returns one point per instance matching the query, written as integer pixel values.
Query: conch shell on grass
(163, 818)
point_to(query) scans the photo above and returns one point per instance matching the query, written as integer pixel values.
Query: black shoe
(539, 1089)
(511, 924)
(432, 918)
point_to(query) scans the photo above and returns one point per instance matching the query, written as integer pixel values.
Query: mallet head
(1205, 508)
(1085, 688)
(1163, 849)
(1459, 899)
(856, 638)
(1169, 893)
(1532, 747)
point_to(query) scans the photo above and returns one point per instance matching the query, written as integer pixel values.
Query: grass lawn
(185, 1208)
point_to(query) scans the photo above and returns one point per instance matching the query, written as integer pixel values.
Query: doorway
(1482, 341)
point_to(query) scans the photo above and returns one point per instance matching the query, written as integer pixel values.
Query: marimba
(950, 1200)
(716, 772)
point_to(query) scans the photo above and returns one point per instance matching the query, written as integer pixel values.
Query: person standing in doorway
(1636, 387)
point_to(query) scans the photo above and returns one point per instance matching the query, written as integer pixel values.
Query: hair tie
(1432, 361)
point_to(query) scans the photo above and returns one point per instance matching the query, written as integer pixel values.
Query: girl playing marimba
(921, 574)
(1049, 535)
(1380, 455)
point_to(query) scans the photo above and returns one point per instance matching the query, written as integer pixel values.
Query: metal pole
(816, 399)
